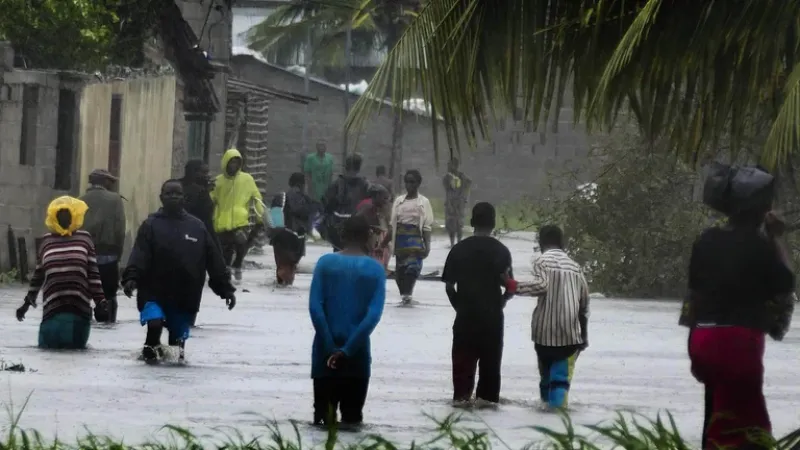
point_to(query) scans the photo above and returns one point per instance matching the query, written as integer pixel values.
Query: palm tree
(706, 76)
(321, 28)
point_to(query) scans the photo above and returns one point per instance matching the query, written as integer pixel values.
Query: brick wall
(27, 189)
(215, 38)
(514, 164)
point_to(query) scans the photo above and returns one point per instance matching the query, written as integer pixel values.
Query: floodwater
(251, 365)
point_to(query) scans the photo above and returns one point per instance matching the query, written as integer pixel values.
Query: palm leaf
(708, 77)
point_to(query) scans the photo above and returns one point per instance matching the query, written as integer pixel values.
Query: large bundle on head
(733, 190)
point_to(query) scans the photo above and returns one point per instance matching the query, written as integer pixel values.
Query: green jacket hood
(227, 156)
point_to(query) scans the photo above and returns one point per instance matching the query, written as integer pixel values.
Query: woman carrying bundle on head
(67, 275)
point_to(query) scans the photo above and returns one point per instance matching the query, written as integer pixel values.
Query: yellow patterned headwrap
(77, 208)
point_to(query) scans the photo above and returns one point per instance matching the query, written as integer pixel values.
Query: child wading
(67, 275)
(168, 264)
(348, 291)
(475, 273)
(560, 320)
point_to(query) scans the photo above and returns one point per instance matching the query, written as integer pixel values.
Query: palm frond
(707, 76)
(476, 60)
(289, 28)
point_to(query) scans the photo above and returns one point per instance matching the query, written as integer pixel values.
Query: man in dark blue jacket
(168, 265)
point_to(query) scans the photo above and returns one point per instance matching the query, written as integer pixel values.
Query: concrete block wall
(26, 190)
(514, 164)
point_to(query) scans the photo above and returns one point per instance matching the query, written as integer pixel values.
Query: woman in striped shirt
(67, 275)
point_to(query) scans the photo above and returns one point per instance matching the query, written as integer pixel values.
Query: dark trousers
(484, 352)
(344, 394)
(109, 276)
(234, 247)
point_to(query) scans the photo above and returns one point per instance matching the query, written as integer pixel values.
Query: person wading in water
(342, 199)
(233, 195)
(477, 271)
(105, 221)
(197, 186)
(67, 276)
(376, 210)
(411, 226)
(288, 241)
(168, 264)
(456, 188)
(348, 291)
(560, 322)
(740, 289)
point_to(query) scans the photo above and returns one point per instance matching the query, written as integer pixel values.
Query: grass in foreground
(627, 431)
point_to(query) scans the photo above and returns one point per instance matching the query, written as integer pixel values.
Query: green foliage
(703, 76)
(633, 232)
(627, 431)
(374, 24)
(78, 34)
(9, 277)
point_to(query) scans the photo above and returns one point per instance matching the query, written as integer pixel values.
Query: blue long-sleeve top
(346, 304)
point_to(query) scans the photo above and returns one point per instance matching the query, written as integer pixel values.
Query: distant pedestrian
(235, 192)
(479, 282)
(167, 267)
(741, 288)
(456, 188)
(346, 302)
(377, 210)
(197, 186)
(105, 221)
(560, 320)
(411, 226)
(318, 168)
(288, 240)
(383, 179)
(67, 275)
(342, 199)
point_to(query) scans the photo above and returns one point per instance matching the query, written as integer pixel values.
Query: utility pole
(306, 68)
(347, 60)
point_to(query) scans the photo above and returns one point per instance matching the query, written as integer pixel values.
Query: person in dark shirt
(342, 198)
(289, 240)
(740, 289)
(476, 272)
(167, 266)
(197, 185)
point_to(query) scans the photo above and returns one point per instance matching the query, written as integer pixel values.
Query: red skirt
(729, 361)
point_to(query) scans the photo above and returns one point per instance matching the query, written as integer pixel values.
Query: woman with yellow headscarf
(66, 273)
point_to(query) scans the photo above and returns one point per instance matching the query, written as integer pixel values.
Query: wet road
(252, 364)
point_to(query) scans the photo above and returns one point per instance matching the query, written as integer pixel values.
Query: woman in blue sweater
(348, 291)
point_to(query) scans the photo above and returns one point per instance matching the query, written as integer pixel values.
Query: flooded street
(253, 363)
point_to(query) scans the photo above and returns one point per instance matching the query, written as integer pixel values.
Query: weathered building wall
(516, 163)
(28, 169)
(147, 133)
(212, 22)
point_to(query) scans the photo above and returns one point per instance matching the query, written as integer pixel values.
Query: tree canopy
(706, 76)
(78, 34)
(374, 24)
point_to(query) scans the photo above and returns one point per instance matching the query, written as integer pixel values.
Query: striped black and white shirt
(563, 294)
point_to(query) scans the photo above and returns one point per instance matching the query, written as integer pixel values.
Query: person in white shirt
(560, 321)
(410, 235)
